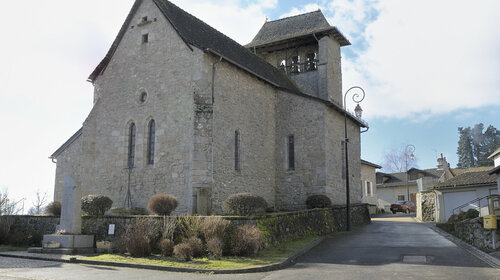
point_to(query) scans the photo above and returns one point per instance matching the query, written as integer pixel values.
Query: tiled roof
(495, 170)
(469, 179)
(295, 26)
(459, 171)
(197, 33)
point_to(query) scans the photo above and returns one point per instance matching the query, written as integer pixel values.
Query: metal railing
(491, 201)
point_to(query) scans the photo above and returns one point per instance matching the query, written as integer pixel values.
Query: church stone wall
(67, 162)
(304, 119)
(163, 68)
(245, 104)
(336, 159)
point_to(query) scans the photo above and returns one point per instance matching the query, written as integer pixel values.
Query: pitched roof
(197, 33)
(458, 171)
(469, 179)
(496, 152)
(495, 170)
(399, 178)
(370, 164)
(296, 26)
(67, 143)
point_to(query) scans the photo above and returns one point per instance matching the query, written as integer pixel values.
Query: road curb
(490, 260)
(275, 266)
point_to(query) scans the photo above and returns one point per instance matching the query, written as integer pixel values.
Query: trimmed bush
(215, 246)
(96, 205)
(244, 204)
(247, 241)
(139, 246)
(54, 208)
(162, 204)
(166, 247)
(318, 201)
(471, 214)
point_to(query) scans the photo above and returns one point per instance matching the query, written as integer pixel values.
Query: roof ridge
(280, 19)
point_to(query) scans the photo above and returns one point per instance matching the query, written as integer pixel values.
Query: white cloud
(231, 17)
(428, 57)
(297, 11)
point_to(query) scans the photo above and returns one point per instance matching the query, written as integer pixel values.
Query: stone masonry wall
(276, 227)
(335, 160)
(67, 162)
(305, 120)
(472, 232)
(168, 71)
(245, 104)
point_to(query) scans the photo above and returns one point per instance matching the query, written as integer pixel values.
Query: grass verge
(265, 257)
(5, 248)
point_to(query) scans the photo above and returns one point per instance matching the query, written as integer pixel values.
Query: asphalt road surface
(393, 247)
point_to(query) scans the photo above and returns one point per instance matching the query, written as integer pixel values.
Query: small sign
(111, 229)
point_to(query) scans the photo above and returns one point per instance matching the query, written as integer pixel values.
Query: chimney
(442, 163)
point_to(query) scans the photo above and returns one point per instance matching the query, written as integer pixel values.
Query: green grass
(5, 248)
(265, 257)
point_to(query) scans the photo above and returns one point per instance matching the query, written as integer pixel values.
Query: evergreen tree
(474, 146)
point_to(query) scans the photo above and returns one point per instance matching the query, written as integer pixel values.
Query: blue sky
(427, 67)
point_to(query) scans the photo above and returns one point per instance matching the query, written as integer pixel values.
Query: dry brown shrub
(196, 245)
(162, 204)
(183, 251)
(139, 246)
(120, 244)
(247, 241)
(214, 227)
(166, 247)
(215, 247)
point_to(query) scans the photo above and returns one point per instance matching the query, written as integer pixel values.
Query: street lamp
(409, 148)
(358, 111)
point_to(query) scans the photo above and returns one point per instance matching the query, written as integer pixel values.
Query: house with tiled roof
(180, 108)
(392, 187)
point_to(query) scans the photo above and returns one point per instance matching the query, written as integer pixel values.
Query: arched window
(131, 145)
(151, 142)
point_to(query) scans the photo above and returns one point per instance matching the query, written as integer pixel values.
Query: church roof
(296, 26)
(197, 33)
(67, 143)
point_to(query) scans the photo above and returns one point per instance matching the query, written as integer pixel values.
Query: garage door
(455, 199)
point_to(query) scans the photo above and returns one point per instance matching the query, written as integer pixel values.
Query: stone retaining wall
(472, 232)
(276, 227)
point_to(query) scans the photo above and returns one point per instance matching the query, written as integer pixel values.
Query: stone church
(180, 108)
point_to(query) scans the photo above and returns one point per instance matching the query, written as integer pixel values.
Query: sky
(427, 67)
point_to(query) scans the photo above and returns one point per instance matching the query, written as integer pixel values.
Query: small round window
(143, 97)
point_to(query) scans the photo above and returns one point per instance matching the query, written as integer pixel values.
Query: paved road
(392, 247)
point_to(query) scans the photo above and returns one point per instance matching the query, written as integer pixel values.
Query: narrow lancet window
(291, 153)
(237, 150)
(131, 146)
(151, 142)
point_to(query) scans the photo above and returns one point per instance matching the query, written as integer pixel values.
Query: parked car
(403, 206)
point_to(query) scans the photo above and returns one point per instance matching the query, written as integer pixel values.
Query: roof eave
(66, 144)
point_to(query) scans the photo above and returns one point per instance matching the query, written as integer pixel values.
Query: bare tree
(40, 201)
(8, 206)
(398, 159)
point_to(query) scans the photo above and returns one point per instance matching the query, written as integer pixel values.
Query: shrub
(183, 251)
(96, 205)
(54, 208)
(189, 226)
(166, 247)
(162, 204)
(215, 247)
(318, 201)
(213, 227)
(471, 214)
(139, 246)
(120, 244)
(244, 204)
(196, 246)
(151, 229)
(247, 240)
